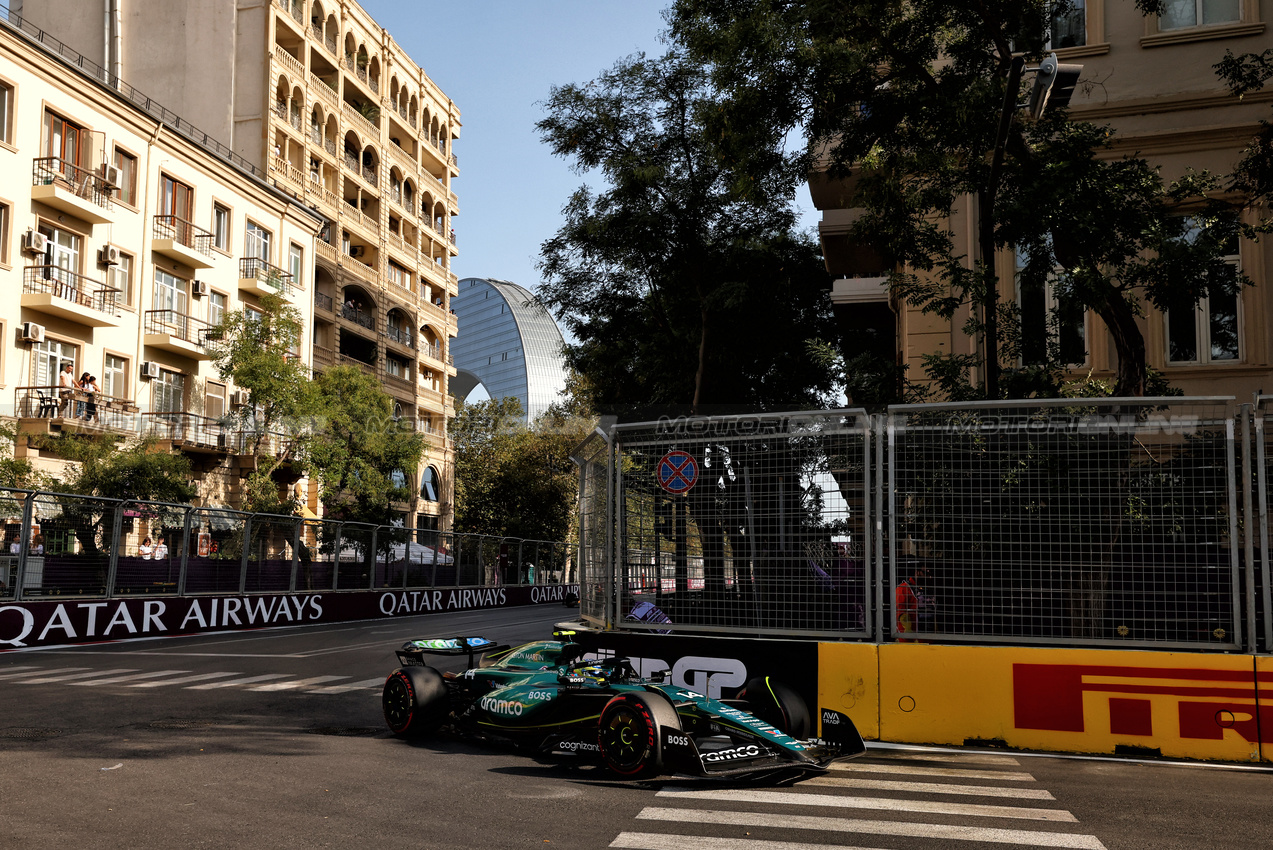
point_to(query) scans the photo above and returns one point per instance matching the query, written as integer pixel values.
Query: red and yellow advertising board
(1184, 705)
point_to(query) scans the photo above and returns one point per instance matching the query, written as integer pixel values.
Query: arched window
(429, 485)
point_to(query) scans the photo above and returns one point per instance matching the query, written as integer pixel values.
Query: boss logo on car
(678, 740)
(750, 751)
(512, 708)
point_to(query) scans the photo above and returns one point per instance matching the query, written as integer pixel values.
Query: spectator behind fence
(161, 550)
(911, 604)
(37, 545)
(146, 549)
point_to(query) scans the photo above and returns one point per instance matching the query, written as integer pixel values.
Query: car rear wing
(413, 651)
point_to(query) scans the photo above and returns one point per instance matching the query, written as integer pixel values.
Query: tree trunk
(1129, 344)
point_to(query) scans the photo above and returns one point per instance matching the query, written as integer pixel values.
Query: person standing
(66, 386)
(90, 390)
(161, 550)
(909, 601)
(146, 549)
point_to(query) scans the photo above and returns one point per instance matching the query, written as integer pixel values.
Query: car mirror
(658, 676)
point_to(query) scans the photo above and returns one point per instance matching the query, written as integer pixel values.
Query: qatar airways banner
(33, 624)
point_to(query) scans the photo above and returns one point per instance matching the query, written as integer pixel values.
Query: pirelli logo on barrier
(1192, 703)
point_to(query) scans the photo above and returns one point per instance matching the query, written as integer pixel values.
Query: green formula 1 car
(547, 697)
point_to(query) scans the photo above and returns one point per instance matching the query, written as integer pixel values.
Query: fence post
(185, 552)
(337, 545)
(885, 435)
(1262, 490)
(371, 572)
(296, 549)
(24, 538)
(1248, 548)
(243, 557)
(112, 563)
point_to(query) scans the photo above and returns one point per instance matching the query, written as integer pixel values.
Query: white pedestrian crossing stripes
(127, 677)
(905, 790)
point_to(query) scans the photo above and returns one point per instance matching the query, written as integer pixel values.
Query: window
(121, 278)
(1069, 26)
(62, 261)
(429, 484)
(295, 261)
(217, 304)
(398, 275)
(47, 358)
(6, 113)
(1180, 14)
(5, 219)
(115, 376)
(170, 293)
(256, 242)
(169, 392)
(397, 368)
(214, 401)
(221, 227)
(176, 199)
(1049, 322)
(1209, 331)
(127, 165)
(64, 141)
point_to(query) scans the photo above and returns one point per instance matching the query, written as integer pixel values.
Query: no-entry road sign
(678, 472)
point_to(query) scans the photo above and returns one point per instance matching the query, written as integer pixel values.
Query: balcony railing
(288, 61)
(351, 162)
(52, 170)
(323, 302)
(402, 336)
(179, 325)
(189, 429)
(346, 360)
(357, 316)
(271, 276)
(183, 232)
(92, 410)
(368, 173)
(72, 287)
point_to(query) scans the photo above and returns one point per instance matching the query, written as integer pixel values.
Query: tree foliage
(906, 99)
(364, 460)
(513, 480)
(683, 279)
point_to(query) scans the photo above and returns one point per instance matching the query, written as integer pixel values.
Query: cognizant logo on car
(511, 708)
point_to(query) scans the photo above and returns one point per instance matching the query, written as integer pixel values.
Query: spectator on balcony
(82, 386)
(146, 550)
(66, 384)
(91, 389)
(161, 550)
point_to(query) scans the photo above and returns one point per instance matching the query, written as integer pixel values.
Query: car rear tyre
(414, 701)
(631, 734)
(777, 705)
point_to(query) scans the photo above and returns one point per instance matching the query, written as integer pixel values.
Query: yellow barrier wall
(1068, 700)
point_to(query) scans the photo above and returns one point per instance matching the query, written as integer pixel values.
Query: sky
(498, 60)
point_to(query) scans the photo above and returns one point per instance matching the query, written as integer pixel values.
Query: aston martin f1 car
(547, 697)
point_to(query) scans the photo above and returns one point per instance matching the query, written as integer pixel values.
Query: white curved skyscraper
(508, 343)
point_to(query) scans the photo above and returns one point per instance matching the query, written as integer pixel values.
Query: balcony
(358, 317)
(57, 292)
(71, 189)
(346, 360)
(182, 241)
(323, 302)
(188, 431)
(51, 410)
(178, 333)
(258, 277)
(400, 336)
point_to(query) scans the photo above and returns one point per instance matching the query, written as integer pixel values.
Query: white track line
(930, 788)
(26, 671)
(947, 772)
(90, 683)
(200, 677)
(244, 681)
(884, 804)
(298, 683)
(44, 680)
(659, 841)
(956, 758)
(876, 827)
(376, 683)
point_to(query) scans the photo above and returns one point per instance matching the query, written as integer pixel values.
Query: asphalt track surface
(274, 739)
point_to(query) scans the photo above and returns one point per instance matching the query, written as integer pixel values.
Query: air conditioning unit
(31, 332)
(149, 369)
(240, 398)
(357, 251)
(109, 175)
(108, 255)
(35, 242)
(199, 288)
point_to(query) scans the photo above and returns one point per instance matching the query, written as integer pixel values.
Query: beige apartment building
(1157, 88)
(330, 108)
(125, 235)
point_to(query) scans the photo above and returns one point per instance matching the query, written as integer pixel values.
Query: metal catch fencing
(58, 545)
(1077, 522)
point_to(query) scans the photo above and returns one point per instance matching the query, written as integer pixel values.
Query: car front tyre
(631, 733)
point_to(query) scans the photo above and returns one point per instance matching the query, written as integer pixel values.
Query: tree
(903, 101)
(683, 280)
(513, 480)
(257, 350)
(363, 459)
